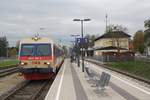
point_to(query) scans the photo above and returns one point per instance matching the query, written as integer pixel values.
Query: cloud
(23, 18)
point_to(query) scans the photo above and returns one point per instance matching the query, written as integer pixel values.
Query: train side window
(57, 51)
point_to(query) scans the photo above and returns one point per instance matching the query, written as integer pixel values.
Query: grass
(8, 63)
(139, 68)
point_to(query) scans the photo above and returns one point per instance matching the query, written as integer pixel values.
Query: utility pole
(106, 22)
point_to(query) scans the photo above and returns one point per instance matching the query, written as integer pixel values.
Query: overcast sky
(23, 18)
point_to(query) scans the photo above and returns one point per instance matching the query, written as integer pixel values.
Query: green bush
(8, 63)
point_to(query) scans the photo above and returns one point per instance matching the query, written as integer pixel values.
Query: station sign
(82, 40)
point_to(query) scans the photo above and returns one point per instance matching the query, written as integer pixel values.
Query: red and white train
(40, 58)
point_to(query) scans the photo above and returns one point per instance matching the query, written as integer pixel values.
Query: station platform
(71, 84)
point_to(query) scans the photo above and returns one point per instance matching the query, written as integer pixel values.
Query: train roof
(39, 40)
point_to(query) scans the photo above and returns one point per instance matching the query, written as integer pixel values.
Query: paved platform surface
(71, 84)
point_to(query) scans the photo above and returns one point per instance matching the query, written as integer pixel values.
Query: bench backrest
(87, 70)
(104, 79)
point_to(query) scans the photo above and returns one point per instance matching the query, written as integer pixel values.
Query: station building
(112, 44)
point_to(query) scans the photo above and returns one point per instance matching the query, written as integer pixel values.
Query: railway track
(8, 71)
(29, 90)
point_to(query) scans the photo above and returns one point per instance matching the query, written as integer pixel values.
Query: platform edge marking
(60, 84)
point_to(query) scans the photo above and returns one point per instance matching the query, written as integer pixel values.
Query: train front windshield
(35, 50)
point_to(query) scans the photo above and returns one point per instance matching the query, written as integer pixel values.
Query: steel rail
(28, 90)
(8, 71)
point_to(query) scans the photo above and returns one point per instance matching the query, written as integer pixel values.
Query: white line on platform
(125, 81)
(60, 84)
(132, 85)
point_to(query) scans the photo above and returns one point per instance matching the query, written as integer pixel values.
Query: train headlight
(22, 63)
(48, 63)
(36, 38)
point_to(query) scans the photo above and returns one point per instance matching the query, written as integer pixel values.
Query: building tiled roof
(114, 34)
(110, 48)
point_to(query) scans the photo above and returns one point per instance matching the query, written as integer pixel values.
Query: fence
(111, 58)
(8, 58)
(142, 58)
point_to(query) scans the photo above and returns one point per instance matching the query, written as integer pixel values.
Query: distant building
(112, 42)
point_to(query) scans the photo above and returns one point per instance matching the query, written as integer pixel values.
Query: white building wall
(123, 43)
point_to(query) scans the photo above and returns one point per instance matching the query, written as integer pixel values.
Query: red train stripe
(36, 58)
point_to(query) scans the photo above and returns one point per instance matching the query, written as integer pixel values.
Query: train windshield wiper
(40, 53)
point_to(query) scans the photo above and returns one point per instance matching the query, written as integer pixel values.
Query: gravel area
(10, 81)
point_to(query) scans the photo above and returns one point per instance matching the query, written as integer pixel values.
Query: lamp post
(82, 20)
(75, 35)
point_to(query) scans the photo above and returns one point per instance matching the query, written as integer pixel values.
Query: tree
(147, 24)
(91, 39)
(12, 51)
(90, 44)
(138, 41)
(65, 50)
(115, 31)
(113, 27)
(3, 46)
(17, 45)
(147, 31)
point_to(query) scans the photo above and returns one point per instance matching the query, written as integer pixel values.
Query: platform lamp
(82, 20)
